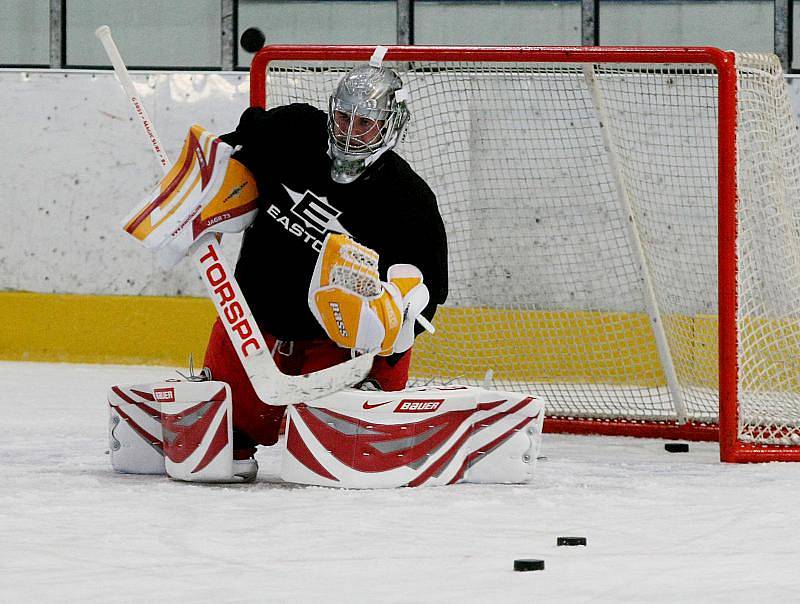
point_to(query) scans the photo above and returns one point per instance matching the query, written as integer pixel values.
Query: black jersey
(389, 208)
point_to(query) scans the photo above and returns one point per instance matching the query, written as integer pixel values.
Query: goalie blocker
(353, 439)
(205, 191)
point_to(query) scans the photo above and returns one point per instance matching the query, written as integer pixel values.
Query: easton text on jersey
(317, 216)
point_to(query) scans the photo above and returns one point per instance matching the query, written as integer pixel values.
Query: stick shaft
(103, 33)
(270, 384)
(206, 242)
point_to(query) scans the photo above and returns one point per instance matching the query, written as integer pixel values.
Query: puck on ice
(570, 540)
(528, 564)
(676, 447)
(252, 39)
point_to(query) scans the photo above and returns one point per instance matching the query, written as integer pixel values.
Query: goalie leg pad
(414, 437)
(196, 421)
(181, 429)
(134, 430)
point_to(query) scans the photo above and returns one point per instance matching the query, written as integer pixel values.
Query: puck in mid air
(528, 564)
(252, 39)
(676, 447)
(570, 540)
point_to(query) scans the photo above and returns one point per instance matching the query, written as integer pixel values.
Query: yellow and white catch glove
(354, 307)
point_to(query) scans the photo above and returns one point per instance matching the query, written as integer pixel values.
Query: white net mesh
(768, 248)
(547, 288)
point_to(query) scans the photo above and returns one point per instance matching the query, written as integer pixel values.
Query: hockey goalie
(343, 264)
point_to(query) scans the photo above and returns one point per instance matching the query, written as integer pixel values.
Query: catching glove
(355, 308)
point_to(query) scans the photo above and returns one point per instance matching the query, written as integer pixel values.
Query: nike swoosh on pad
(368, 405)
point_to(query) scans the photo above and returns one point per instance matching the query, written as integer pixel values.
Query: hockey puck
(528, 564)
(252, 39)
(570, 540)
(676, 447)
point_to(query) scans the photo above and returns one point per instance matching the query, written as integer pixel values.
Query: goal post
(623, 229)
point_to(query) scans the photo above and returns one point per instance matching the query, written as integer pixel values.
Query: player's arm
(269, 134)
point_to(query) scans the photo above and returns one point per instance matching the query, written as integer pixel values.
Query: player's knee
(391, 373)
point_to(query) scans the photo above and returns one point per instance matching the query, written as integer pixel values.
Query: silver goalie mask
(366, 116)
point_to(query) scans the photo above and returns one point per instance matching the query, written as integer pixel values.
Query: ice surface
(661, 527)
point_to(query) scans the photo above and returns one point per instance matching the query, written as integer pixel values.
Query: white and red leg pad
(185, 424)
(134, 430)
(414, 437)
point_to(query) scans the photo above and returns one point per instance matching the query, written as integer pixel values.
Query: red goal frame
(731, 448)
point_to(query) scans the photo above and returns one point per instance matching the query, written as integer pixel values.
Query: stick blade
(276, 388)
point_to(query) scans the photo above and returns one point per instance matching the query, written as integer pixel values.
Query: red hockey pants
(253, 421)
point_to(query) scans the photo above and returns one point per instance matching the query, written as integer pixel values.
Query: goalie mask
(366, 116)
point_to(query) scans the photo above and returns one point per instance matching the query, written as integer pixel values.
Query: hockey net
(623, 224)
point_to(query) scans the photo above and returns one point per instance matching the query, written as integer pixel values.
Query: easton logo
(417, 406)
(164, 395)
(310, 218)
(315, 212)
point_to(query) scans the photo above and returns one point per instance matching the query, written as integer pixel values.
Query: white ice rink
(661, 527)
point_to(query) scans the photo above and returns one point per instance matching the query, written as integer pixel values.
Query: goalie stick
(270, 384)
